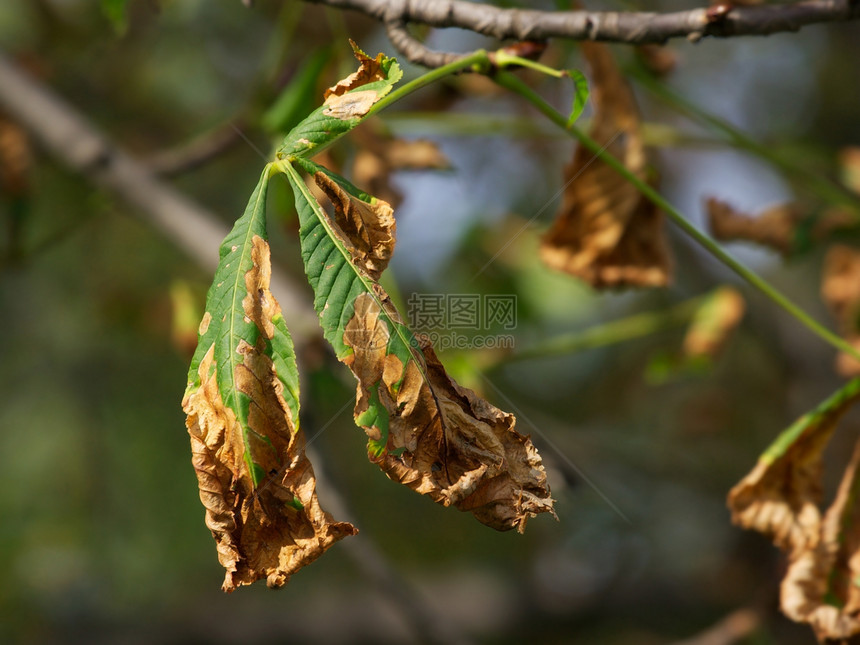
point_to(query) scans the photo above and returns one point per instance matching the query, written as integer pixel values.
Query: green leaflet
(117, 12)
(580, 97)
(337, 283)
(229, 327)
(321, 128)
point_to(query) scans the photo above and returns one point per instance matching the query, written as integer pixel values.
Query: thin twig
(414, 49)
(192, 154)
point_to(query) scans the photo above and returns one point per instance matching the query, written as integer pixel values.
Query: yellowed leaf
(714, 323)
(780, 498)
(185, 313)
(606, 232)
(849, 166)
(274, 530)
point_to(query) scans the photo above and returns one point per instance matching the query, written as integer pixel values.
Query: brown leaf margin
(367, 228)
(277, 529)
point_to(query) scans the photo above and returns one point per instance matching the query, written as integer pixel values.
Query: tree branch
(72, 139)
(416, 51)
(634, 27)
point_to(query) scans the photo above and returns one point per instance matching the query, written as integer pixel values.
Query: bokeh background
(102, 537)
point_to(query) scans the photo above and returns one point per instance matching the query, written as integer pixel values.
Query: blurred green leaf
(296, 99)
(117, 12)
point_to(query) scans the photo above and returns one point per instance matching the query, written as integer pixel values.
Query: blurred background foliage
(102, 536)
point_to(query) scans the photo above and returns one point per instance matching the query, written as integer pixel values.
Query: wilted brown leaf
(775, 227)
(413, 154)
(849, 165)
(424, 430)
(820, 586)
(275, 530)
(780, 498)
(443, 440)
(607, 233)
(714, 323)
(341, 102)
(840, 290)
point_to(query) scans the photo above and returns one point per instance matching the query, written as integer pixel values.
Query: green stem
(822, 186)
(616, 331)
(480, 60)
(516, 85)
(502, 59)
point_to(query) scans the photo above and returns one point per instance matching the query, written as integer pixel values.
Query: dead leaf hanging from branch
(780, 498)
(606, 232)
(782, 227)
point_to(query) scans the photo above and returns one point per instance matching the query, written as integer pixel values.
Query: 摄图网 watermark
(464, 320)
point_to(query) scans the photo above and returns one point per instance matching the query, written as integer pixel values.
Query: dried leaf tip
(347, 100)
